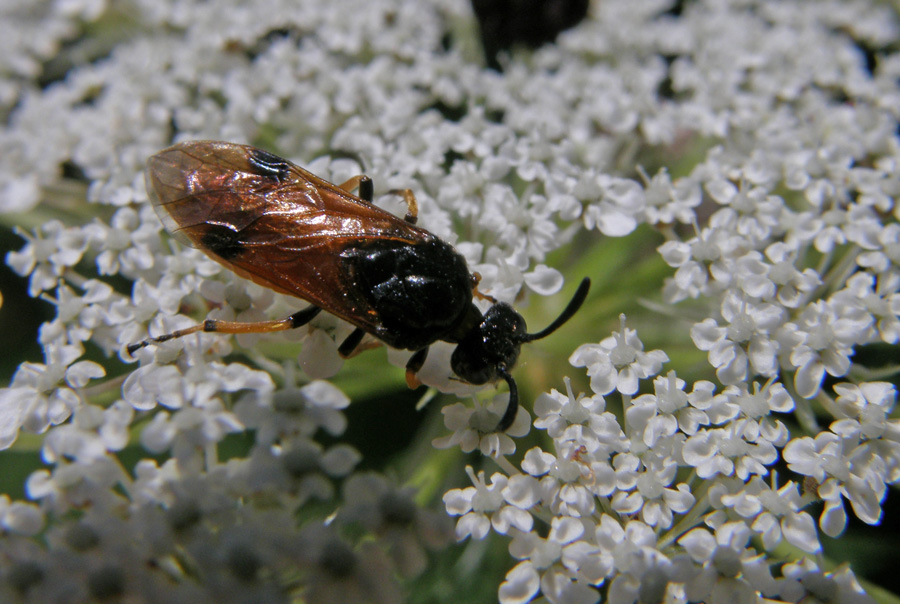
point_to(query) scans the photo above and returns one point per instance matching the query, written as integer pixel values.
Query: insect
(284, 228)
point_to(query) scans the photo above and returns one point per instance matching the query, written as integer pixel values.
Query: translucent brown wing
(271, 221)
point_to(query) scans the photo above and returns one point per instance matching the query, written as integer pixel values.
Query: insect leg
(351, 342)
(366, 192)
(362, 184)
(412, 206)
(476, 279)
(215, 326)
(413, 365)
(512, 407)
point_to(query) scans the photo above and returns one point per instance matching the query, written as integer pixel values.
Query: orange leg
(214, 326)
(476, 279)
(413, 365)
(366, 189)
(412, 206)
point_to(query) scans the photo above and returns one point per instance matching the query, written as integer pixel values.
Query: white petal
(79, 374)
(513, 517)
(459, 501)
(522, 491)
(675, 253)
(808, 379)
(544, 280)
(699, 544)
(800, 531)
(152, 384)
(706, 334)
(721, 190)
(603, 380)
(679, 500)
(833, 518)
(473, 525)
(23, 519)
(319, 356)
(537, 462)
(158, 434)
(521, 584)
(13, 403)
(340, 460)
(627, 503)
(627, 381)
(565, 529)
(613, 222)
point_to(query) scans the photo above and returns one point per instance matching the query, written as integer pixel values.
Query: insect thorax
(421, 292)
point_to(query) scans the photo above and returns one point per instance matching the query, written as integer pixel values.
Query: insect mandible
(284, 228)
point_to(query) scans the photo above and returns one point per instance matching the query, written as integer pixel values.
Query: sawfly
(284, 228)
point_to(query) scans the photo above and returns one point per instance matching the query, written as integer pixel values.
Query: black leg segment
(512, 408)
(351, 342)
(301, 318)
(366, 188)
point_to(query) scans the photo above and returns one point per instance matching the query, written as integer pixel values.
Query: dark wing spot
(269, 165)
(222, 241)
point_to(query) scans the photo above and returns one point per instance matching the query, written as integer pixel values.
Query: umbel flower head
(726, 173)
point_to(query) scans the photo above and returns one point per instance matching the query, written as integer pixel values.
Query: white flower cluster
(777, 216)
(791, 262)
(665, 502)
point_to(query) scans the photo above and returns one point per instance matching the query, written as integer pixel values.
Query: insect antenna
(571, 309)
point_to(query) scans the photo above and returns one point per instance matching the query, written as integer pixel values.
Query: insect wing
(271, 221)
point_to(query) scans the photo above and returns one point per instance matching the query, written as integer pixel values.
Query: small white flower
(391, 513)
(878, 297)
(738, 448)
(793, 284)
(672, 403)
(128, 244)
(48, 254)
(804, 580)
(20, 518)
(744, 343)
(563, 486)
(293, 411)
(476, 427)
(828, 331)
(189, 430)
(557, 560)
(618, 362)
(668, 202)
(722, 558)
(628, 553)
(484, 506)
(37, 397)
(643, 485)
(871, 403)
(758, 407)
(775, 514)
(91, 434)
(842, 470)
(615, 213)
(556, 411)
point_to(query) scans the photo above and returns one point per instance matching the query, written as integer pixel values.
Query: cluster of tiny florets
(772, 132)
